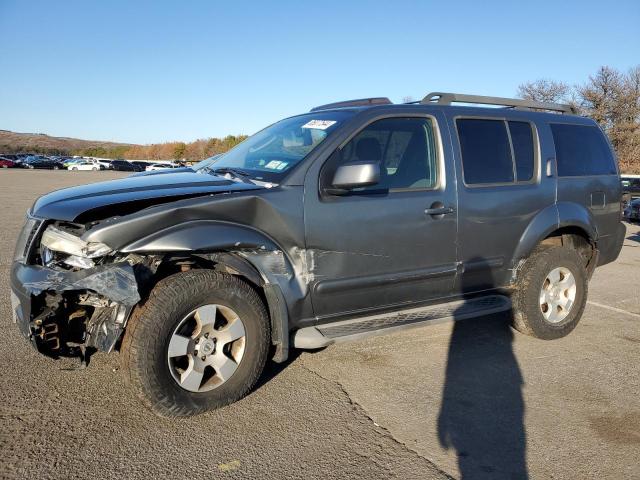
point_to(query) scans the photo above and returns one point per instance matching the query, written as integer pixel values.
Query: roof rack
(361, 102)
(444, 98)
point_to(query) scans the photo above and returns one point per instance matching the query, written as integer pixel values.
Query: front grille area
(455, 309)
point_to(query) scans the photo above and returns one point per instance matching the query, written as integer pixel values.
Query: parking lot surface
(471, 399)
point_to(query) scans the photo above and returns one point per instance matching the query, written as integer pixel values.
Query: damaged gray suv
(358, 218)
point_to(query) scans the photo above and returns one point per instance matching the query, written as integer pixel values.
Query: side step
(323, 335)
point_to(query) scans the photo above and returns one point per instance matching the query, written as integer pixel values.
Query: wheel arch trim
(554, 217)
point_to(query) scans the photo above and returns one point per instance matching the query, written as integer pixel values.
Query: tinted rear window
(581, 150)
(486, 153)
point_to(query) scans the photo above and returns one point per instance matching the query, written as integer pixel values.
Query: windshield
(271, 153)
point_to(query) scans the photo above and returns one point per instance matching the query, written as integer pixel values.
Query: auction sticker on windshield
(276, 165)
(319, 124)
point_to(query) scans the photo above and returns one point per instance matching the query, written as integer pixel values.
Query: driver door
(378, 247)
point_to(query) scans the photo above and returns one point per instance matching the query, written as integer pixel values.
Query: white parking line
(613, 309)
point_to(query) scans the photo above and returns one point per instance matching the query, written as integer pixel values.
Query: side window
(496, 151)
(486, 153)
(405, 148)
(522, 140)
(581, 150)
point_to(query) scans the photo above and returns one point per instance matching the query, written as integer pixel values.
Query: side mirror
(354, 175)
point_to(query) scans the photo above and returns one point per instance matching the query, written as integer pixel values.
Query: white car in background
(84, 165)
(161, 166)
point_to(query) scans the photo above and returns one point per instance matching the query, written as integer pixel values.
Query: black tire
(144, 347)
(527, 313)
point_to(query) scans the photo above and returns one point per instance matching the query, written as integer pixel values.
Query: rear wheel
(199, 342)
(550, 293)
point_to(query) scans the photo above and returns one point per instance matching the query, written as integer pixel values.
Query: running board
(326, 334)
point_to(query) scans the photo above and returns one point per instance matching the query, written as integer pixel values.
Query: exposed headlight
(60, 241)
(25, 238)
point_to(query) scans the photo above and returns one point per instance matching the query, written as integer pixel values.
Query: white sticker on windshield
(273, 164)
(276, 165)
(319, 124)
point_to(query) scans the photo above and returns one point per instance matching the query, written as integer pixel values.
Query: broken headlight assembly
(79, 253)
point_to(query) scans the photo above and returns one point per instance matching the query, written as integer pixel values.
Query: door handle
(438, 209)
(549, 171)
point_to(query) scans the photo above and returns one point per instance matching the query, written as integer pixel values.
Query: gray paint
(323, 257)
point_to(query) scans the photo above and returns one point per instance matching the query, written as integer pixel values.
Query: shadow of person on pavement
(482, 411)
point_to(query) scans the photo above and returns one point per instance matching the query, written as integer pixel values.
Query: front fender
(201, 235)
(242, 243)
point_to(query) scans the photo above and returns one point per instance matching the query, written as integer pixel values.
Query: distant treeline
(192, 151)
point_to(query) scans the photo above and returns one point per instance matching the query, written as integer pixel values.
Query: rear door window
(581, 150)
(496, 151)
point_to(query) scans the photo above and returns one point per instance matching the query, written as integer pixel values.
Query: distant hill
(11, 142)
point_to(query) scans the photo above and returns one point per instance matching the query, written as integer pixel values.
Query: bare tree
(544, 90)
(613, 100)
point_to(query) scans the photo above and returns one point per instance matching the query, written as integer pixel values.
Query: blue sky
(152, 71)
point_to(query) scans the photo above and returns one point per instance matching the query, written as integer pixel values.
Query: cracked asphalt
(471, 399)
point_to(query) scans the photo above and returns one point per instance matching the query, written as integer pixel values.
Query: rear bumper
(609, 247)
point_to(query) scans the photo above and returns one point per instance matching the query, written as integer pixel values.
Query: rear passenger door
(501, 187)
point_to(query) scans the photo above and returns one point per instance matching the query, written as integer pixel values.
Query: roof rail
(361, 102)
(444, 98)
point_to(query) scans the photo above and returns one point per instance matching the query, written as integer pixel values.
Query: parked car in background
(7, 163)
(38, 161)
(141, 163)
(10, 156)
(105, 163)
(125, 166)
(630, 184)
(162, 166)
(631, 212)
(71, 161)
(85, 165)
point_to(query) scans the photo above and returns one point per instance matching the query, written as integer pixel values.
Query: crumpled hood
(127, 195)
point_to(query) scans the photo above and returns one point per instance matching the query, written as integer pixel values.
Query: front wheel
(199, 342)
(550, 293)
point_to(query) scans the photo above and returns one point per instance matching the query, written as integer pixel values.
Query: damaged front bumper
(64, 312)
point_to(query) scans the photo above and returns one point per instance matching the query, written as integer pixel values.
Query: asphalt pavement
(472, 399)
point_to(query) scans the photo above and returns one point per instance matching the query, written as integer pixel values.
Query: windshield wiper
(237, 172)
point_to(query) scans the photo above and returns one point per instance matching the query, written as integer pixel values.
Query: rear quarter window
(486, 153)
(581, 150)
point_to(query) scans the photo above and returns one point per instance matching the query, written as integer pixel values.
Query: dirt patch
(622, 430)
